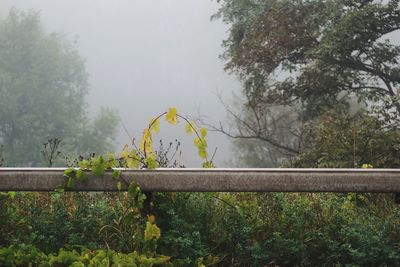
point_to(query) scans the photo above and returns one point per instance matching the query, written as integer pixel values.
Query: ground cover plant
(213, 229)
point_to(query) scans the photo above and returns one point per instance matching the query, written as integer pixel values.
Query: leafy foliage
(213, 229)
(308, 57)
(317, 41)
(331, 48)
(340, 140)
(139, 157)
(23, 255)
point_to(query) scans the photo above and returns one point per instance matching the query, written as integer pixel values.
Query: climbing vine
(141, 156)
(136, 156)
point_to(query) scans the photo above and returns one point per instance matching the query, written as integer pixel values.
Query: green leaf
(133, 190)
(201, 145)
(133, 163)
(84, 164)
(60, 189)
(70, 172)
(202, 153)
(141, 197)
(112, 162)
(81, 176)
(98, 166)
(151, 162)
(116, 175)
(70, 183)
(208, 164)
(125, 153)
(11, 194)
(197, 142)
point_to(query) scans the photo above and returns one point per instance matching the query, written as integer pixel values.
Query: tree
(43, 84)
(331, 48)
(314, 55)
(338, 139)
(263, 135)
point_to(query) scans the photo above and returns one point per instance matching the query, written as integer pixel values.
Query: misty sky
(145, 56)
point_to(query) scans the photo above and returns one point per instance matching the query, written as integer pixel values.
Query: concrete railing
(201, 180)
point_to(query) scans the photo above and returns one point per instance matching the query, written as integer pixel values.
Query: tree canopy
(43, 84)
(314, 56)
(327, 49)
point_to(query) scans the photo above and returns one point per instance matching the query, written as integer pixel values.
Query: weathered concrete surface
(200, 180)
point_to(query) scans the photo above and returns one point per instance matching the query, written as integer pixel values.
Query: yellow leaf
(146, 144)
(131, 158)
(152, 232)
(203, 132)
(148, 233)
(133, 163)
(125, 154)
(154, 125)
(151, 218)
(189, 128)
(147, 135)
(197, 142)
(157, 232)
(172, 116)
(367, 166)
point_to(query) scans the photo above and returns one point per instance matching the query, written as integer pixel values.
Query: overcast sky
(145, 56)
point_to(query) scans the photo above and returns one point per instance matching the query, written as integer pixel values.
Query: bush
(27, 255)
(202, 229)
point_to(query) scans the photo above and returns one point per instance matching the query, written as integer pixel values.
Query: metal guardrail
(212, 180)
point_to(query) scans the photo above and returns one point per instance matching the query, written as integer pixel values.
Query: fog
(145, 56)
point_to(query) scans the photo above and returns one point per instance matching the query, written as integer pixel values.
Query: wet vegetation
(320, 88)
